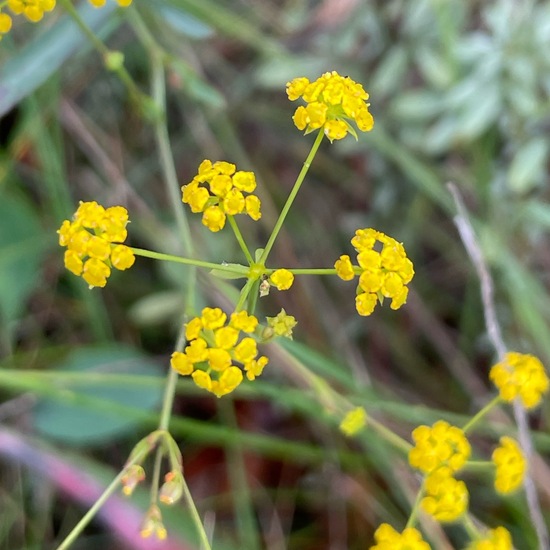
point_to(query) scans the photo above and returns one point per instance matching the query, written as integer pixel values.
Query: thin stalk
(309, 271)
(389, 436)
(80, 526)
(470, 528)
(240, 239)
(232, 268)
(188, 498)
(120, 70)
(244, 512)
(291, 197)
(414, 512)
(481, 413)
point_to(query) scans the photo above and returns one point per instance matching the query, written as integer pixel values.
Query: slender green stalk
(244, 294)
(205, 543)
(242, 501)
(230, 268)
(389, 436)
(470, 527)
(240, 238)
(481, 413)
(80, 526)
(120, 70)
(307, 271)
(166, 160)
(291, 197)
(414, 512)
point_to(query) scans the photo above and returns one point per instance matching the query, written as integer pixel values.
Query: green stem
(291, 197)
(79, 527)
(480, 414)
(233, 268)
(120, 71)
(240, 239)
(470, 527)
(244, 294)
(389, 436)
(166, 160)
(242, 501)
(205, 543)
(306, 271)
(416, 506)
(478, 465)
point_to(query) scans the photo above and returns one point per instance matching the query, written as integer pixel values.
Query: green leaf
(528, 167)
(75, 421)
(22, 248)
(184, 22)
(37, 61)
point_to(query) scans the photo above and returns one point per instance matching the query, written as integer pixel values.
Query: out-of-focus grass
(459, 91)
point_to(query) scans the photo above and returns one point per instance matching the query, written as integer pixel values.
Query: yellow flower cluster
(92, 240)
(446, 498)
(522, 376)
(387, 538)
(214, 345)
(382, 274)
(218, 191)
(354, 421)
(332, 101)
(496, 539)
(34, 10)
(510, 465)
(439, 445)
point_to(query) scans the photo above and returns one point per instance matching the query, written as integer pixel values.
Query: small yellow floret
(355, 420)
(282, 279)
(5, 23)
(181, 363)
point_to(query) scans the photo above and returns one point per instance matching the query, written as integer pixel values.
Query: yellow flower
(355, 420)
(92, 242)
(214, 345)
(282, 279)
(181, 363)
(219, 190)
(152, 524)
(133, 475)
(522, 376)
(387, 538)
(101, 3)
(280, 325)
(5, 24)
(382, 274)
(510, 465)
(33, 10)
(439, 445)
(446, 498)
(496, 539)
(332, 102)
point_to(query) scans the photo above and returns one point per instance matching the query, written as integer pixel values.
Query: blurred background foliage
(459, 91)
